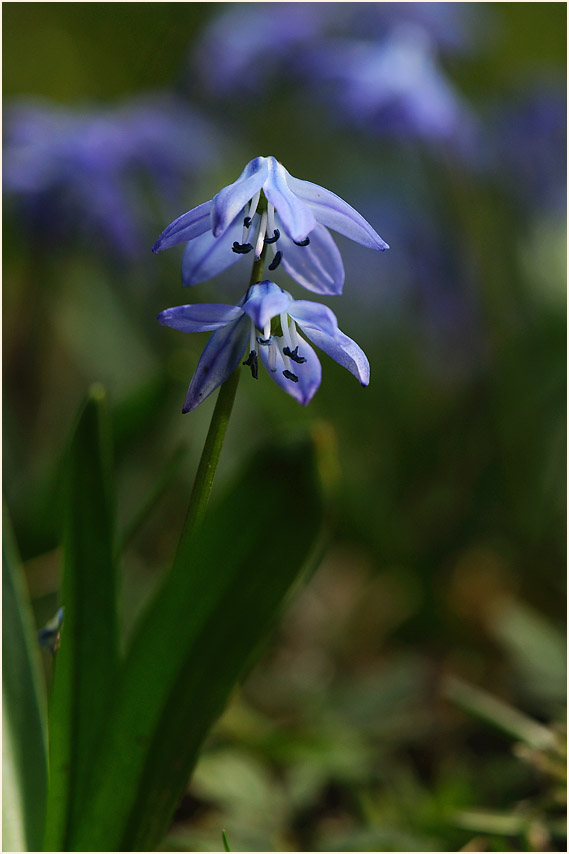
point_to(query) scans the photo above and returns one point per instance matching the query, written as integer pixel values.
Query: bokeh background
(367, 722)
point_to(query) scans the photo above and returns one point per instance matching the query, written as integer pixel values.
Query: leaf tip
(97, 392)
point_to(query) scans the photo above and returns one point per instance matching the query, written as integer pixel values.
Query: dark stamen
(253, 363)
(290, 376)
(304, 242)
(264, 342)
(293, 354)
(276, 261)
(247, 222)
(242, 248)
(274, 238)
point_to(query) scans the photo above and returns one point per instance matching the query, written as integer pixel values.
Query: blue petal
(206, 256)
(296, 217)
(264, 301)
(309, 374)
(317, 266)
(199, 318)
(186, 227)
(231, 200)
(343, 350)
(313, 316)
(220, 358)
(334, 212)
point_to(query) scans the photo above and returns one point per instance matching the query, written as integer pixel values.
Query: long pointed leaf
(87, 660)
(24, 750)
(225, 589)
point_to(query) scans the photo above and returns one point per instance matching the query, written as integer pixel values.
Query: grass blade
(223, 593)
(87, 660)
(24, 756)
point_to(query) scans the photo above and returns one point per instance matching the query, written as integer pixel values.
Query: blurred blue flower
(529, 146)
(394, 87)
(429, 295)
(265, 323)
(88, 172)
(50, 635)
(248, 37)
(455, 27)
(288, 214)
(277, 36)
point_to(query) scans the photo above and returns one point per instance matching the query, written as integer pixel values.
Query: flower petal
(343, 350)
(186, 227)
(200, 317)
(220, 358)
(231, 200)
(264, 301)
(296, 217)
(309, 374)
(313, 316)
(206, 256)
(317, 266)
(331, 210)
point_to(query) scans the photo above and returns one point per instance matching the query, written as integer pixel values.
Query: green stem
(216, 434)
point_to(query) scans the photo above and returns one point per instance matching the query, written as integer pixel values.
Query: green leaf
(225, 589)
(24, 756)
(87, 661)
(499, 714)
(170, 469)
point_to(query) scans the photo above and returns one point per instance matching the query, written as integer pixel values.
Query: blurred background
(413, 696)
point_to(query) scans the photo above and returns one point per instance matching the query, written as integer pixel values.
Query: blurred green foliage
(449, 547)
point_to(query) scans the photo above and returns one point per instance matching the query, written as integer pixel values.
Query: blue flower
(281, 37)
(245, 37)
(87, 172)
(49, 636)
(267, 205)
(528, 146)
(265, 323)
(395, 88)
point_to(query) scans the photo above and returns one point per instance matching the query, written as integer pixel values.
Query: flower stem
(216, 434)
(210, 454)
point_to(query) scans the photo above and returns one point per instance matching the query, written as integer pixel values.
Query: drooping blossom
(266, 324)
(267, 205)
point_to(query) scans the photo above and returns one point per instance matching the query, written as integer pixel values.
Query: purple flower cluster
(376, 64)
(268, 210)
(86, 172)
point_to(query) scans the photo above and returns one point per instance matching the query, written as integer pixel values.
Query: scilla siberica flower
(267, 205)
(265, 323)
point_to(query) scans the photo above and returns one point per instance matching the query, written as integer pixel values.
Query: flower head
(265, 324)
(266, 204)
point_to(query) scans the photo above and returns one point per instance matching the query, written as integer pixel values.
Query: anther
(304, 242)
(290, 376)
(293, 354)
(253, 363)
(276, 261)
(242, 248)
(247, 222)
(264, 342)
(274, 238)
